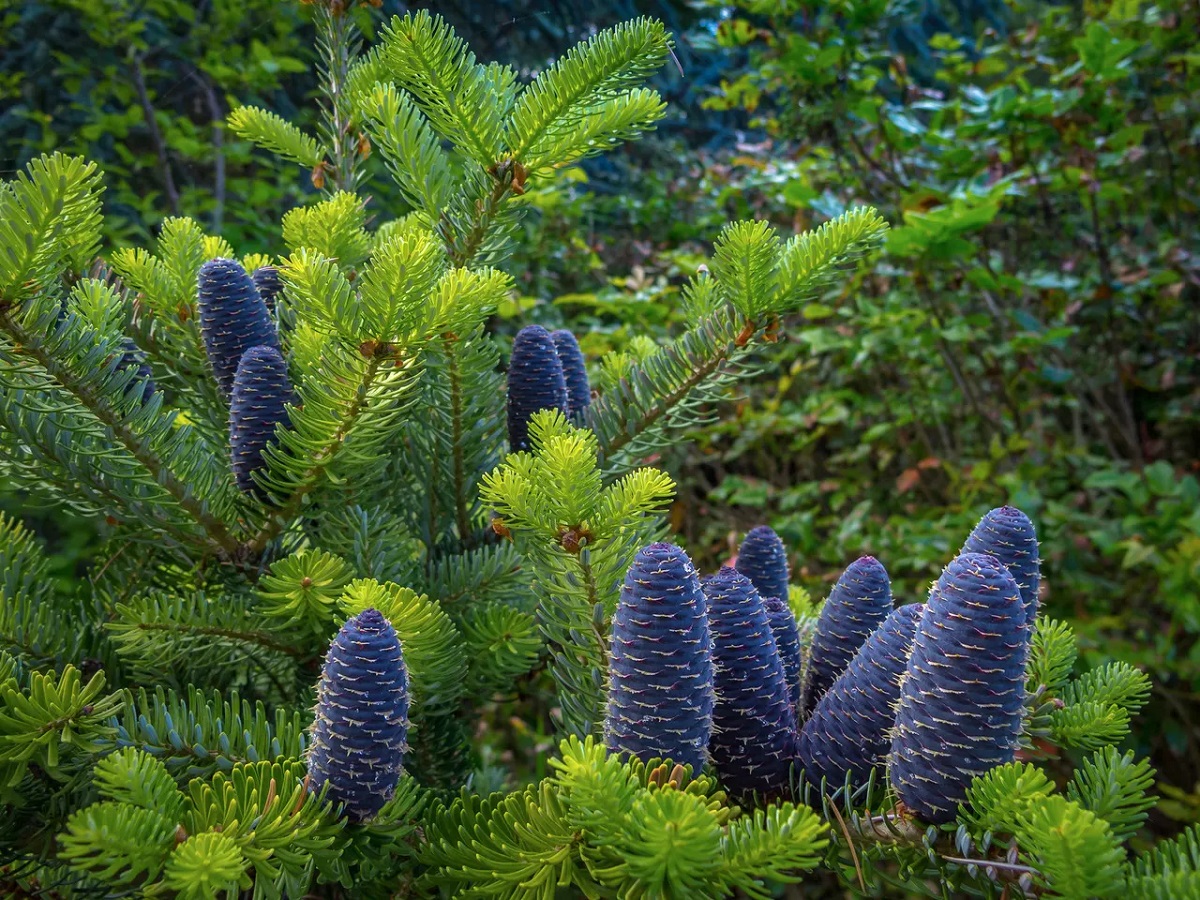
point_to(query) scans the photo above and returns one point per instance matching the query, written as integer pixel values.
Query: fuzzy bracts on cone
(660, 702)
(361, 728)
(787, 642)
(1008, 534)
(535, 382)
(850, 730)
(269, 284)
(579, 389)
(857, 605)
(754, 732)
(260, 391)
(963, 693)
(233, 318)
(763, 559)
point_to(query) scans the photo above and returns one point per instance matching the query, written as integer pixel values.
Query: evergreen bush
(168, 730)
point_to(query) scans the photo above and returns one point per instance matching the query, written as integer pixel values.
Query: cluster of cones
(711, 669)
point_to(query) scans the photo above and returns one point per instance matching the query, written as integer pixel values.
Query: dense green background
(1030, 334)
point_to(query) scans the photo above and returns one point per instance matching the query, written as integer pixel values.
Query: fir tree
(155, 722)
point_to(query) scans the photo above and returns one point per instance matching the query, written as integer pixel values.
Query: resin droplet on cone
(754, 733)
(233, 318)
(261, 390)
(857, 605)
(763, 559)
(579, 389)
(361, 727)
(1008, 534)
(850, 730)
(535, 382)
(963, 693)
(660, 701)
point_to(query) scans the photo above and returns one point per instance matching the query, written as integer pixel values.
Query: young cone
(763, 559)
(361, 727)
(963, 692)
(579, 390)
(787, 642)
(233, 318)
(850, 730)
(535, 382)
(269, 284)
(660, 702)
(1008, 534)
(754, 731)
(857, 605)
(144, 382)
(260, 391)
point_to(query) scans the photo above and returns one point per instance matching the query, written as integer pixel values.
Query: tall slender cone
(763, 559)
(535, 382)
(261, 390)
(857, 605)
(754, 724)
(233, 318)
(963, 692)
(660, 701)
(361, 727)
(850, 730)
(269, 284)
(787, 641)
(579, 389)
(1008, 534)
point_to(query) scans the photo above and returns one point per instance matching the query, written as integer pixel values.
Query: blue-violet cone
(535, 382)
(851, 728)
(361, 728)
(963, 692)
(857, 605)
(1008, 534)
(660, 700)
(269, 284)
(787, 641)
(233, 318)
(754, 726)
(763, 559)
(133, 359)
(260, 391)
(579, 390)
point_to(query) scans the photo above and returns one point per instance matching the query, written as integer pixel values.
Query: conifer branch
(217, 536)
(461, 516)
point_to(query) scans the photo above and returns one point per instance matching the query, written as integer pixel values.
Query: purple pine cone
(1008, 534)
(763, 559)
(233, 318)
(579, 389)
(261, 390)
(787, 641)
(535, 382)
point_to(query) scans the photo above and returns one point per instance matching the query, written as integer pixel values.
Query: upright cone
(754, 726)
(787, 642)
(763, 559)
(579, 389)
(233, 318)
(850, 730)
(261, 390)
(535, 382)
(963, 693)
(361, 727)
(857, 605)
(269, 284)
(1008, 534)
(660, 702)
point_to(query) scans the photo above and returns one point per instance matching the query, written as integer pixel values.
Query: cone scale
(660, 702)
(850, 730)
(361, 727)
(754, 733)
(857, 605)
(963, 693)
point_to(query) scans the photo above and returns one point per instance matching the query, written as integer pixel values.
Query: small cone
(763, 559)
(579, 390)
(535, 382)
(261, 390)
(233, 318)
(787, 641)
(269, 284)
(1008, 534)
